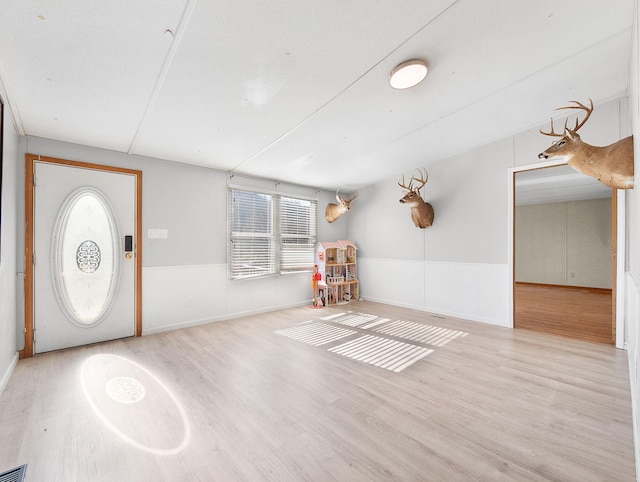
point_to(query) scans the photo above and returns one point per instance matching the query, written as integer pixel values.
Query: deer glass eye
(561, 143)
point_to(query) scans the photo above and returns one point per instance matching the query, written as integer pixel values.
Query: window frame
(277, 262)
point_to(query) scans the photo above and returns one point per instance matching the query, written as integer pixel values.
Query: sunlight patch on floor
(356, 319)
(428, 334)
(125, 390)
(316, 333)
(382, 352)
(135, 404)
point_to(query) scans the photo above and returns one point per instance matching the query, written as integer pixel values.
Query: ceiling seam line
(325, 104)
(164, 71)
(11, 102)
(510, 85)
(513, 84)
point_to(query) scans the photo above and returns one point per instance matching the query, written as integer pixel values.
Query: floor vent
(14, 475)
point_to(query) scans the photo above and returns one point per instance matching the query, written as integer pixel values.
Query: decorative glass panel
(88, 257)
(85, 257)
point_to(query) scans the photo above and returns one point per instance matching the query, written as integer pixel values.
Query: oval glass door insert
(85, 257)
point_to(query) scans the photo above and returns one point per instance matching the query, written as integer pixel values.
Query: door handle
(128, 246)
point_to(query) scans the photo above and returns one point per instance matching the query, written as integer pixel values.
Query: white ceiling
(298, 90)
(557, 184)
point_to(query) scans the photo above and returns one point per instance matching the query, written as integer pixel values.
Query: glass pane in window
(297, 234)
(270, 234)
(252, 250)
(251, 212)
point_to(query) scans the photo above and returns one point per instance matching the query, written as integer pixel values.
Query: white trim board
(7, 375)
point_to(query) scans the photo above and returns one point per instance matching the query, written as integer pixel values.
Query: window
(297, 234)
(270, 233)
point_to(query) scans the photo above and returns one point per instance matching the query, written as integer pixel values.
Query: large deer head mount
(334, 211)
(611, 165)
(421, 212)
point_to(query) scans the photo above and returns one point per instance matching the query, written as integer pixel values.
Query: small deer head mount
(421, 212)
(334, 211)
(611, 165)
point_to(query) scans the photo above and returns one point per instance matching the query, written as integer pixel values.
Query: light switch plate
(157, 234)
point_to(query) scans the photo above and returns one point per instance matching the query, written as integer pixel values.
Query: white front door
(84, 252)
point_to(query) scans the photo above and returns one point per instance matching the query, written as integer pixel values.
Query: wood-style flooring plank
(569, 311)
(495, 404)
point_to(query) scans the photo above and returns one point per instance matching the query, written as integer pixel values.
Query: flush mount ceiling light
(408, 74)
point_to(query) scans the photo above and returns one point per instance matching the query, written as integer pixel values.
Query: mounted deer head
(421, 212)
(611, 165)
(334, 211)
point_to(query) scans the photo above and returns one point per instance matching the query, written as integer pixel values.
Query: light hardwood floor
(235, 400)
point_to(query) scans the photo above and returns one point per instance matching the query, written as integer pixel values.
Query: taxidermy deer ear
(612, 165)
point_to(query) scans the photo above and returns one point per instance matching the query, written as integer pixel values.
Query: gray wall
(8, 254)
(468, 196)
(189, 201)
(460, 266)
(185, 280)
(565, 243)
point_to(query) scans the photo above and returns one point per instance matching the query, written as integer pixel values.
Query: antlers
(424, 177)
(579, 105)
(341, 199)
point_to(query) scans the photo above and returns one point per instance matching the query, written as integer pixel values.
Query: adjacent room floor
(358, 392)
(574, 312)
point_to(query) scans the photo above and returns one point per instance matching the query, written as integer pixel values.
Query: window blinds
(297, 234)
(270, 233)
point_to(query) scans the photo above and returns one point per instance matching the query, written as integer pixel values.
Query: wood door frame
(30, 160)
(618, 245)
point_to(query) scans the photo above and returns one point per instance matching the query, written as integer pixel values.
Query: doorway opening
(564, 263)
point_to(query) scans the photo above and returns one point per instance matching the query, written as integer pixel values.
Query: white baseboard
(7, 374)
(205, 321)
(435, 311)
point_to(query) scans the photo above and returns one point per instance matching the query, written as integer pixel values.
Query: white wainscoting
(247, 297)
(7, 374)
(180, 296)
(473, 291)
(632, 344)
